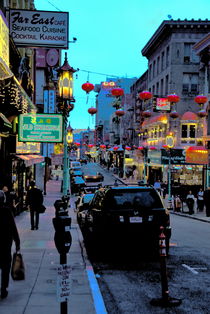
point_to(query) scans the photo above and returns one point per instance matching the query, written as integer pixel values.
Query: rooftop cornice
(167, 26)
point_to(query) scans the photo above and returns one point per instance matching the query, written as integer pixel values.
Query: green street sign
(46, 128)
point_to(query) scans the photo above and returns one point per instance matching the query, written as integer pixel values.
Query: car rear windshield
(132, 199)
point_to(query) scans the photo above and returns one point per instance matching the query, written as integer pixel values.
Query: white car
(75, 165)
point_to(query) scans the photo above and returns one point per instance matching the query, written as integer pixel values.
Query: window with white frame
(190, 83)
(188, 131)
(189, 54)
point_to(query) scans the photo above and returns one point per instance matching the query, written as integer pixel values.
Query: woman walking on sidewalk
(190, 200)
(8, 234)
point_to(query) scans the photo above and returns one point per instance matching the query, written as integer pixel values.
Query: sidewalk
(37, 293)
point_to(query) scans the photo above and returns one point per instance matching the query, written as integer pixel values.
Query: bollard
(166, 300)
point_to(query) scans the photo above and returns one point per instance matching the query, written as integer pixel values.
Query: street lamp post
(65, 105)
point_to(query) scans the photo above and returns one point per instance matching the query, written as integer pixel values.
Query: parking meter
(62, 236)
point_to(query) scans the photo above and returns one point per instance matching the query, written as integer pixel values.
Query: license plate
(135, 219)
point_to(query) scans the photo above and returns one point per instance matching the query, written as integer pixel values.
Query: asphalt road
(129, 278)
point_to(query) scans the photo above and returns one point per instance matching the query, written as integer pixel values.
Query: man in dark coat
(8, 234)
(34, 199)
(206, 199)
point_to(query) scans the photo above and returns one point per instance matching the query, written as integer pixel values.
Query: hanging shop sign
(197, 155)
(161, 104)
(39, 28)
(176, 156)
(46, 128)
(28, 148)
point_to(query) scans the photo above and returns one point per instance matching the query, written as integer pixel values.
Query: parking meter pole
(63, 240)
(165, 301)
(63, 305)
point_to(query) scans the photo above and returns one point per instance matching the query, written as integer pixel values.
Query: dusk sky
(110, 35)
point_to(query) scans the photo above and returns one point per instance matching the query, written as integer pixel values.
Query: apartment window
(157, 88)
(190, 83)
(153, 89)
(166, 85)
(162, 60)
(154, 68)
(167, 56)
(161, 87)
(189, 54)
(150, 72)
(188, 130)
(158, 65)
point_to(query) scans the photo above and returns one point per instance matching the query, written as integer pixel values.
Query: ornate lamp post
(65, 105)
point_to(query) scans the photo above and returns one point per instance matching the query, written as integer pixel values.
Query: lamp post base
(166, 302)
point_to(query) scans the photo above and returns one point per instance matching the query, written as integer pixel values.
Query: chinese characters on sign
(46, 128)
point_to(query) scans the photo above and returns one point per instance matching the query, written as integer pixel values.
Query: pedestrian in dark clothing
(8, 234)
(200, 201)
(206, 197)
(10, 199)
(190, 200)
(34, 199)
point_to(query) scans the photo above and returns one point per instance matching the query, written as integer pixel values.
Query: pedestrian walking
(190, 200)
(157, 186)
(206, 197)
(8, 234)
(11, 198)
(34, 200)
(200, 200)
(177, 203)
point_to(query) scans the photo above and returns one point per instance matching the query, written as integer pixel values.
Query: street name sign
(63, 282)
(45, 128)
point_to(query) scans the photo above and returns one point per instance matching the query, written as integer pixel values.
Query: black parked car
(127, 213)
(96, 177)
(82, 205)
(77, 184)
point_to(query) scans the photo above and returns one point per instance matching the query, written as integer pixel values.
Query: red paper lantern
(165, 146)
(127, 147)
(152, 148)
(117, 92)
(200, 99)
(92, 110)
(115, 148)
(202, 113)
(173, 98)
(102, 146)
(174, 114)
(146, 114)
(77, 144)
(140, 148)
(119, 112)
(145, 95)
(90, 145)
(88, 87)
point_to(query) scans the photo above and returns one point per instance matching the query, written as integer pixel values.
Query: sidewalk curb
(190, 216)
(98, 301)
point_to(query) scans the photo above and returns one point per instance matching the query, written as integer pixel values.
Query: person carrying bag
(18, 267)
(8, 234)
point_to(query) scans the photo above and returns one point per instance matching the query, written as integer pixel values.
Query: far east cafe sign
(39, 28)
